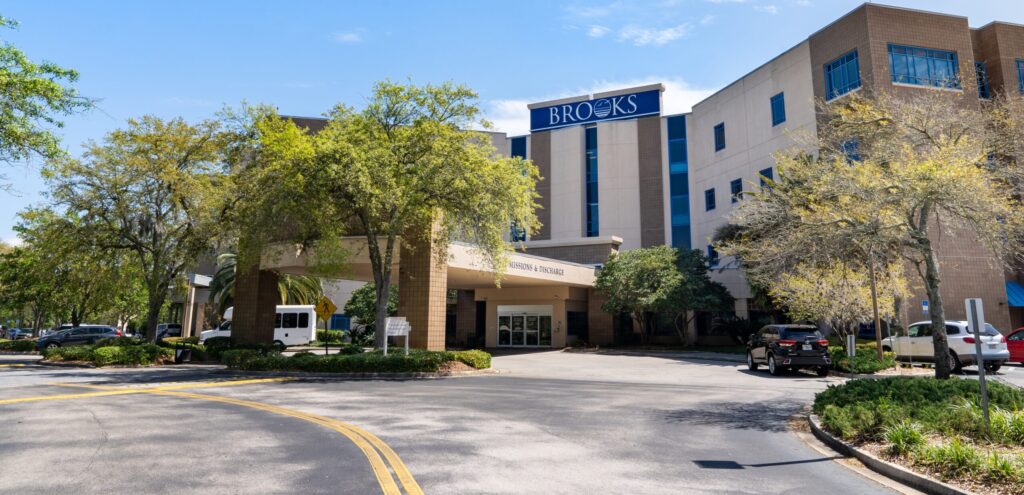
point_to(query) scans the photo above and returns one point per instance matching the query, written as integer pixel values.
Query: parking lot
(551, 422)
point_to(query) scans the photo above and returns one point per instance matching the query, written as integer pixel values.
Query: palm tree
(294, 289)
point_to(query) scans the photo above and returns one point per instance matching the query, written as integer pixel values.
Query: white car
(917, 345)
(295, 325)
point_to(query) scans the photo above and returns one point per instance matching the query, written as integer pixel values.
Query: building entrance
(524, 326)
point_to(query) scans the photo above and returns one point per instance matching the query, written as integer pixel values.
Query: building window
(679, 181)
(924, 66)
(591, 178)
(842, 75)
(766, 176)
(720, 137)
(712, 256)
(709, 199)
(1020, 75)
(736, 189)
(518, 147)
(778, 109)
(984, 90)
(517, 233)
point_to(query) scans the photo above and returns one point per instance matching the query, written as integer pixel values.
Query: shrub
(128, 355)
(18, 345)
(373, 362)
(477, 359)
(73, 353)
(1008, 426)
(216, 345)
(183, 340)
(119, 341)
(953, 459)
(329, 336)
(865, 360)
(903, 437)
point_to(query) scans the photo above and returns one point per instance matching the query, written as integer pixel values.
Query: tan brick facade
(255, 307)
(1000, 45)
(422, 295)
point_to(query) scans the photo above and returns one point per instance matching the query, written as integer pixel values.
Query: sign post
(324, 309)
(976, 320)
(396, 326)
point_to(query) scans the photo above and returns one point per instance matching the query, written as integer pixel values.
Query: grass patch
(372, 362)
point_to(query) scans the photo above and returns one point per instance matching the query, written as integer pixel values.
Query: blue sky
(190, 58)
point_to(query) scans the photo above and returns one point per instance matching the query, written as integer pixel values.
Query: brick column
(600, 324)
(422, 298)
(256, 300)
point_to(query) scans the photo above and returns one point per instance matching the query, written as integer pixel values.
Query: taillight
(117, 332)
(787, 343)
(1002, 339)
(968, 340)
(823, 343)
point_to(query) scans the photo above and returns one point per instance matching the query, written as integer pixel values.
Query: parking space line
(84, 395)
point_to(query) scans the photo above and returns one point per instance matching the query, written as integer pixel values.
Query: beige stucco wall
(618, 181)
(750, 138)
(566, 181)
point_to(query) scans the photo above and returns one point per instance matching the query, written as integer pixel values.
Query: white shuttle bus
(294, 325)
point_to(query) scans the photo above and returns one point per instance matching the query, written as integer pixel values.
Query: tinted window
(80, 331)
(1016, 336)
(289, 320)
(800, 334)
(277, 320)
(226, 325)
(303, 320)
(924, 331)
(952, 329)
(990, 330)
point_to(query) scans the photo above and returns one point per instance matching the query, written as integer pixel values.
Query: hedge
(106, 355)
(865, 360)
(18, 345)
(329, 336)
(374, 362)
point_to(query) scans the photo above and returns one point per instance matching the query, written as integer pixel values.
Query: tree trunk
(381, 314)
(153, 307)
(935, 307)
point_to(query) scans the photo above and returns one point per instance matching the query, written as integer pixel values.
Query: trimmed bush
(216, 345)
(73, 353)
(477, 359)
(18, 345)
(865, 360)
(329, 336)
(182, 340)
(128, 355)
(373, 362)
(119, 341)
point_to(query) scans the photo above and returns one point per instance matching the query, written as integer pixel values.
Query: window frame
(1020, 75)
(736, 194)
(719, 136)
(981, 78)
(770, 175)
(712, 204)
(835, 65)
(913, 56)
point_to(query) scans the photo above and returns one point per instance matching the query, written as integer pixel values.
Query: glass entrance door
(525, 330)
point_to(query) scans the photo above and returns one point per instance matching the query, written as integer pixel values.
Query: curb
(59, 364)
(362, 376)
(893, 471)
(703, 355)
(19, 353)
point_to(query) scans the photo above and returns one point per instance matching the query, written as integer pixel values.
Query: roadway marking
(367, 442)
(11, 365)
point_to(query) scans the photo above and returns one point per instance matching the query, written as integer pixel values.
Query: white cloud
(803, 3)
(768, 9)
(598, 31)
(590, 11)
(707, 19)
(641, 36)
(511, 116)
(347, 37)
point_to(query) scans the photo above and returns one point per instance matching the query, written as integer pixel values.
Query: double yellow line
(371, 446)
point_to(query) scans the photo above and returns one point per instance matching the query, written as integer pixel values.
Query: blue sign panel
(626, 106)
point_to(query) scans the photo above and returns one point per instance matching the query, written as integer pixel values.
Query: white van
(295, 325)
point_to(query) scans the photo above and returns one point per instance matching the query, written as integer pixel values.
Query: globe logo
(602, 108)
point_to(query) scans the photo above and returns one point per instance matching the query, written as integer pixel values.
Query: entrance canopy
(466, 267)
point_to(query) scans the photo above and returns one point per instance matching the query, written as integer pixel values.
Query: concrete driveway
(553, 422)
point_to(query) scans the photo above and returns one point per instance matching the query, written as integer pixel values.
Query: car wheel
(751, 365)
(823, 371)
(992, 367)
(954, 363)
(773, 368)
(280, 345)
(52, 345)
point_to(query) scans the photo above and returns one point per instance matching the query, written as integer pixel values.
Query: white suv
(917, 345)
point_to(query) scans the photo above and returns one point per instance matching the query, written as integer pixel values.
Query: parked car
(1015, 344)
(164, 330)
(784, 347)
(295, 325)
(82, 335)
(917, 345)
(19, 333)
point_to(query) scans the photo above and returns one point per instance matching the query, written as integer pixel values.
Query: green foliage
(294, 289)
(184, 340)
(119, 341)
(903, 437)
(216, 345)
(18, 345)
(865, 360)
(641, 282)
(33, 97)
(71, 353)
(695, 292)
(131, 355)
(362, 307)
(374, 362)
(329, 336)
(953, 459)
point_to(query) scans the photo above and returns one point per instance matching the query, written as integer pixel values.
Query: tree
(696, 292)
(405, 169)
(294, 289)
(362, 307)
(154, 189)
(838, 293)
(33, 97)
(641, 282)
(890, 174)
(25, 287)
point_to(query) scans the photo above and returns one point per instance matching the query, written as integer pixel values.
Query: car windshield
(990, 330)
(799, 334)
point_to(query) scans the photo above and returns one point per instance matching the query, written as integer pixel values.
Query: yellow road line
(367, 442)
(11, 365)
(380, 470)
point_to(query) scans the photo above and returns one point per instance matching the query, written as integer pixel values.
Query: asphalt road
(552, 423)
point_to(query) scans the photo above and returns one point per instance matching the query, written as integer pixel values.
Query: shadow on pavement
(760, 416)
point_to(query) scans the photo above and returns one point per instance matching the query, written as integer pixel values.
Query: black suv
(76, 336)
(784, 347)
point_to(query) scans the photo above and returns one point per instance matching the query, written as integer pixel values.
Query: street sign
(924, 307)
(325, 308)
(976, 322)
(396, 326)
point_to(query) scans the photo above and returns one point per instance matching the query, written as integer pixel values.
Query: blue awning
(1015, 294)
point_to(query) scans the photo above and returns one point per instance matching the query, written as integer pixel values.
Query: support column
(465, 318)
(256, 298)
(422, 295)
